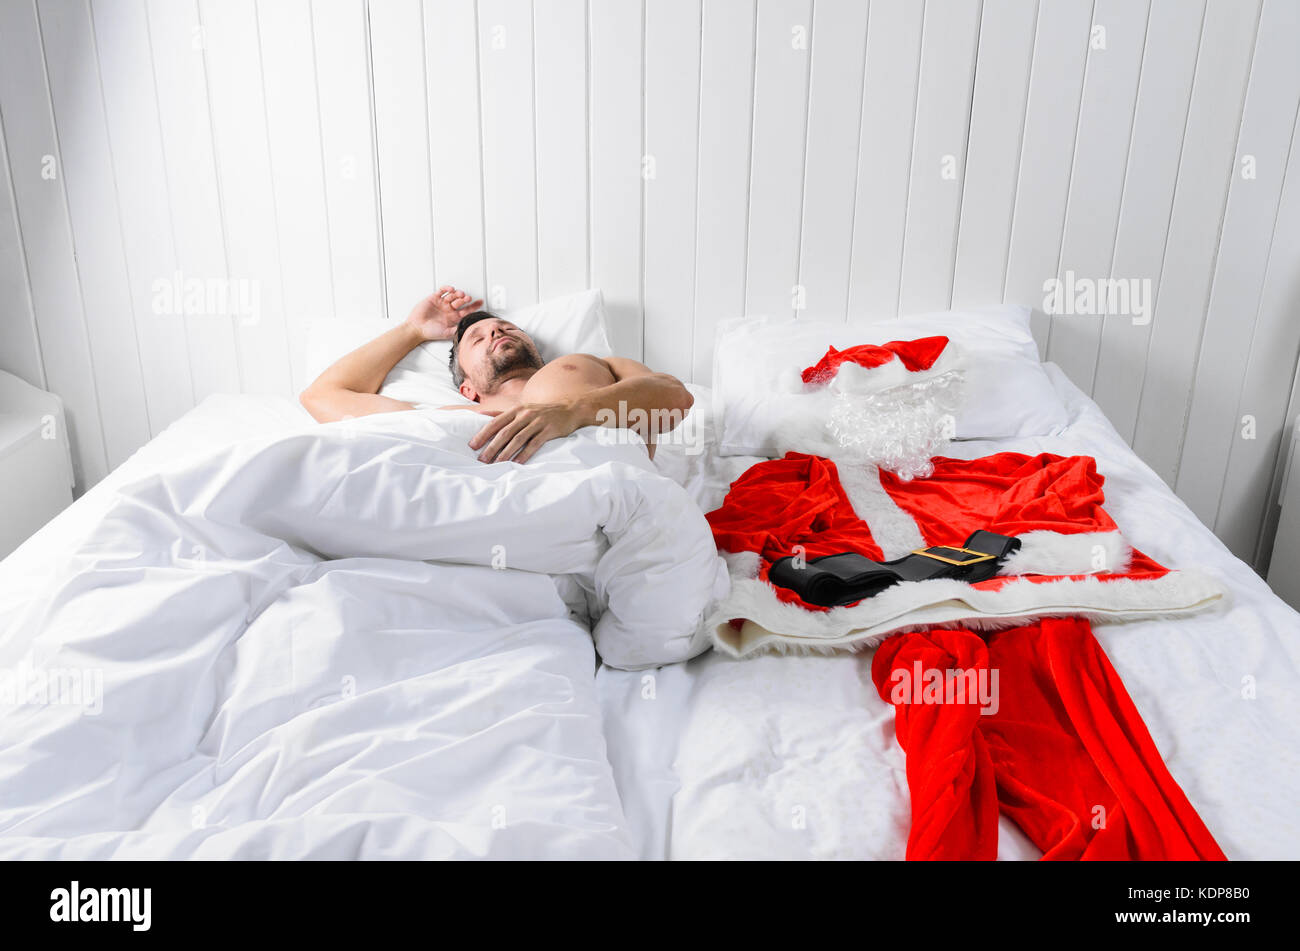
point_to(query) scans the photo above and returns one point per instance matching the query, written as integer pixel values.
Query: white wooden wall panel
(293, 125)
(1046, 154)
(1159, 121)
(1262, 147)
(241, 141)
(560, 71)
(402, 137)
(776, 176)
(722, 193)
(348, 156)
(1249, 489)
(1101, 152)
(993, 152)
(185, 127)
(1227, 45)
(455, 141)
(509, 166)
(948, 48)
(694, 159)
(884, 156)
(672, 42)
(834, 126)
(614, 87)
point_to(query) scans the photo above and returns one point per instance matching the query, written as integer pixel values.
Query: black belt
(833, 580)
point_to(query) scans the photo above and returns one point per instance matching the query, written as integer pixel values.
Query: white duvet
(352, 641)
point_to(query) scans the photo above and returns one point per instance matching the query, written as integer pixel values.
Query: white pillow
(1006, 393)
(572, 324)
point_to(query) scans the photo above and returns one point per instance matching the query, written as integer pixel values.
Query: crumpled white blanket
(353, 641)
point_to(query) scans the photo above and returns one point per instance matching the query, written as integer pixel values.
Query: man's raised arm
(350, 387)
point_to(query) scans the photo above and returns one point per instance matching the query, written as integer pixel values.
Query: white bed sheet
(795, 756)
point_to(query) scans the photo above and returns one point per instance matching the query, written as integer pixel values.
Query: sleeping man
(497, 365)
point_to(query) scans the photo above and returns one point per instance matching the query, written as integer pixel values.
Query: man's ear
(468, 392)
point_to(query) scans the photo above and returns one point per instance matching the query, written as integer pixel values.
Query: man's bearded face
(495, 350)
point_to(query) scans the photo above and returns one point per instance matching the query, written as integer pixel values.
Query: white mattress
(795, 756)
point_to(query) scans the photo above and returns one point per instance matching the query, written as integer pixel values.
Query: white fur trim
(892, 529)
(855, 378)
(741, 565)
(1083, 553)
(771, 624)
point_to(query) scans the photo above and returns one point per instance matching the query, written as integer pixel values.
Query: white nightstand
(1284, 568)
(35, 461)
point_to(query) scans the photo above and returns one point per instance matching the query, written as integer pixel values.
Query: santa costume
(1065, 753)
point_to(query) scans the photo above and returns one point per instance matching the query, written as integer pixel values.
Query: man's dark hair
(469, 320)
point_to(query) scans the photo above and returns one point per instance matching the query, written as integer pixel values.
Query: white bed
(775, 756)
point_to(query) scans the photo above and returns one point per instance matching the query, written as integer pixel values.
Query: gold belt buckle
(980, 556)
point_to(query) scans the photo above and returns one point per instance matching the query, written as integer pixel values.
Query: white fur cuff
(1084, 553)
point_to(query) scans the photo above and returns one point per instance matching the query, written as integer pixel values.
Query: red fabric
(1008, 493)
(783, 503)
(916, 355)
(797, 501)
(1065, 739)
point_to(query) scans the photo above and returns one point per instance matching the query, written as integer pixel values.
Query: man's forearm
(650, 405)
(363, 370)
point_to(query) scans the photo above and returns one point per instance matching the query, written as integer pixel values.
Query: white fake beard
(899, 428)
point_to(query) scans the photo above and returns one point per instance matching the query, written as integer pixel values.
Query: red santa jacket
(1073, 561)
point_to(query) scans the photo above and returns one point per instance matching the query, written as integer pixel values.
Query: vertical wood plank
(239, 135)
(455, 152)
(938, 154)
(33, 149)
(509, 166)
(614, 89)
(1097, 182)
(722, 198)
(1164, 93)
(783, 52)
(293, 122)
(193, 194)
(834, 118)
(997, 122)
(402, 144)
(560, 51)
(884, 156)
(672, 38)
(347, 141)
(1055, 84)
(1206, 170)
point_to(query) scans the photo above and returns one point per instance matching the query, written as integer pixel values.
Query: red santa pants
(1066, 755)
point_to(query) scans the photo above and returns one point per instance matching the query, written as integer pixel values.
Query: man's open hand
(519, 432)
(436, 317)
